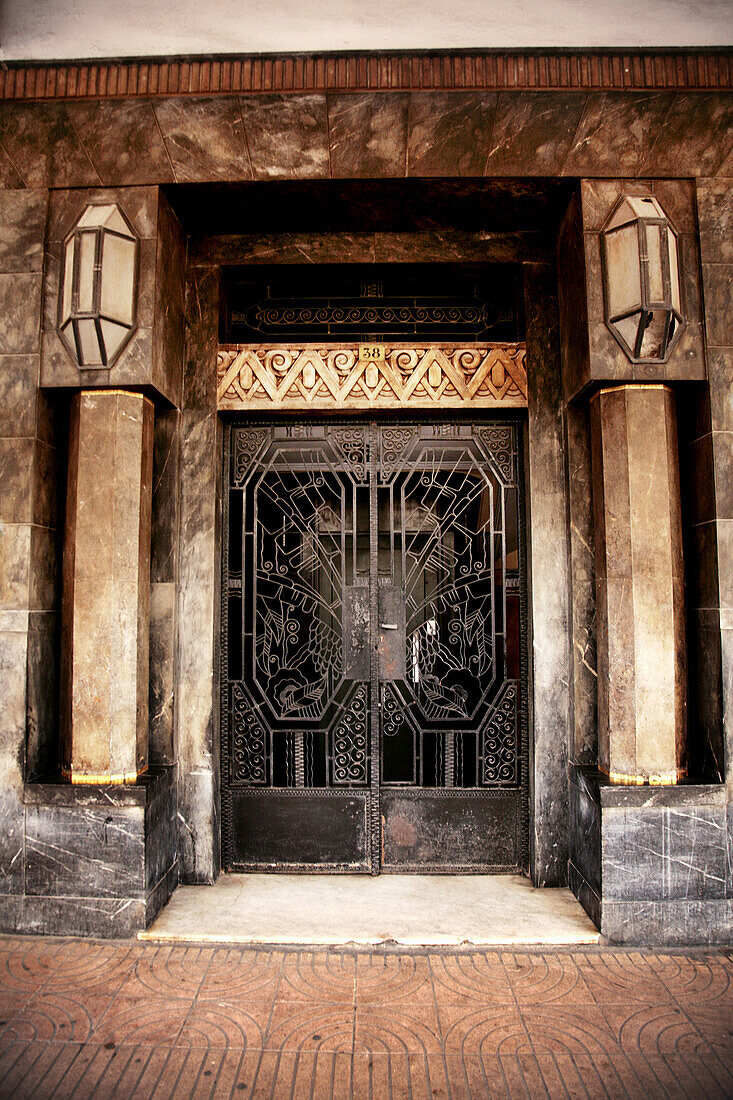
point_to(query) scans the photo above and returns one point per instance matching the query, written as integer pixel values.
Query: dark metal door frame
(360, 826)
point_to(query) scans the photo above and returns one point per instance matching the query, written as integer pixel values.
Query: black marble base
(652, 865)
(99, 861)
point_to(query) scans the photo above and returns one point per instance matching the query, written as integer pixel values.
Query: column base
(631, 860)
(99, 861)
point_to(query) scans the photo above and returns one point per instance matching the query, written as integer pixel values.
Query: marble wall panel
(162, 675)
(204, 138)
(81, 143)
(585, 868)
(122, 140)
(23, 218)
(168, 305)
(549, 580)
(20, 295)
(449, 133)
(15, 555)
(659, 854)
(718, 282)
(166, 473)
(102, 918)
(715, 217)
(42, 756)
(695, 138)
(27, 499)
(584, 693)
(44, 147)
(18, 395)
(161, 841)
(287, 135)
(198, 606)
(83, 851)
(718, 402)
(712, 487)
(572, 298)
(13, 662)
(615, 133)
(281, 248)
(45, 557)
(533, 132)
(10, 177)
(16, 480)
(707, 751)
(368, 135)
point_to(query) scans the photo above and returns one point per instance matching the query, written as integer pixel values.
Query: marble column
(642, 676)
(106, 587)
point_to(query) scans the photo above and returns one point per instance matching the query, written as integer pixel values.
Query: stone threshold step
(409, 910)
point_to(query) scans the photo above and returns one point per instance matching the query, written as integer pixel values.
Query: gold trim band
(670, 779)
(122, 393)
(89, 779)
(631, 386)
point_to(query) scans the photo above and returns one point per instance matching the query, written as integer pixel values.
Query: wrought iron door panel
(372, 646)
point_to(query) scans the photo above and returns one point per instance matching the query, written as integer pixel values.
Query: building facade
(366, 427)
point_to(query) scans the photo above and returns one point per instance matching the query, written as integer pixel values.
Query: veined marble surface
(446, 910)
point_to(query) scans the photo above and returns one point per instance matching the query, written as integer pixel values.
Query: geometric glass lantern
(641, 281)
(97, 296)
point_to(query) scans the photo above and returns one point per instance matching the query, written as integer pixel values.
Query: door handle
(388, 626)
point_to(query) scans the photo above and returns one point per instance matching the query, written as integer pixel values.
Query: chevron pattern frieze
(311, 376)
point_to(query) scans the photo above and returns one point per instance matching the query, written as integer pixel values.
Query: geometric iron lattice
(371, 611)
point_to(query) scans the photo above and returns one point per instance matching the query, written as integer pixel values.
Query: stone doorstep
(449, 911)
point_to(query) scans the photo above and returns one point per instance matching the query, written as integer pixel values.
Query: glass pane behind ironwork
(351, 302)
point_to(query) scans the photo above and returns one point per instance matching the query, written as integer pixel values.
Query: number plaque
(372, 353)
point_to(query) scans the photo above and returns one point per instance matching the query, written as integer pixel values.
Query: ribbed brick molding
(601, 69)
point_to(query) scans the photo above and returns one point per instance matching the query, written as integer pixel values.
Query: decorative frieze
(311, 376)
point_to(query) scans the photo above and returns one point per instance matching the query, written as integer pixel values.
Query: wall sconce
(641, 279)
(98, 291)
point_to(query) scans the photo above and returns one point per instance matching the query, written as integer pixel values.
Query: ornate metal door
(373, 654)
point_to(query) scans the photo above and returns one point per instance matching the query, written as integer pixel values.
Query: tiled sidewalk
(83, 1019)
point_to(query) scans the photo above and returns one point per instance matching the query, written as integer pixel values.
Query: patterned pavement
(126, 1019)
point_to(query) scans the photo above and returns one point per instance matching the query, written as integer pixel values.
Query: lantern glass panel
(655, 275)
(653, 341)
(113, 336)
(118, 290)
(87, 247)
(628, 329)
(623, 272)
(90, 352)
(674, 271)
(68, 281)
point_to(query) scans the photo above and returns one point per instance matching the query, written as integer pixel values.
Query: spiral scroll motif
(352, 445)
(249, 742)
(248, 443)
(501, 445)
(349, 751)
(499, 742)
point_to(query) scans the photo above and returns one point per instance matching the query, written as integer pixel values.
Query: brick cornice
(605, 70)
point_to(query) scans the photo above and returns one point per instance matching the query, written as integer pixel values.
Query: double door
(373, 659)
